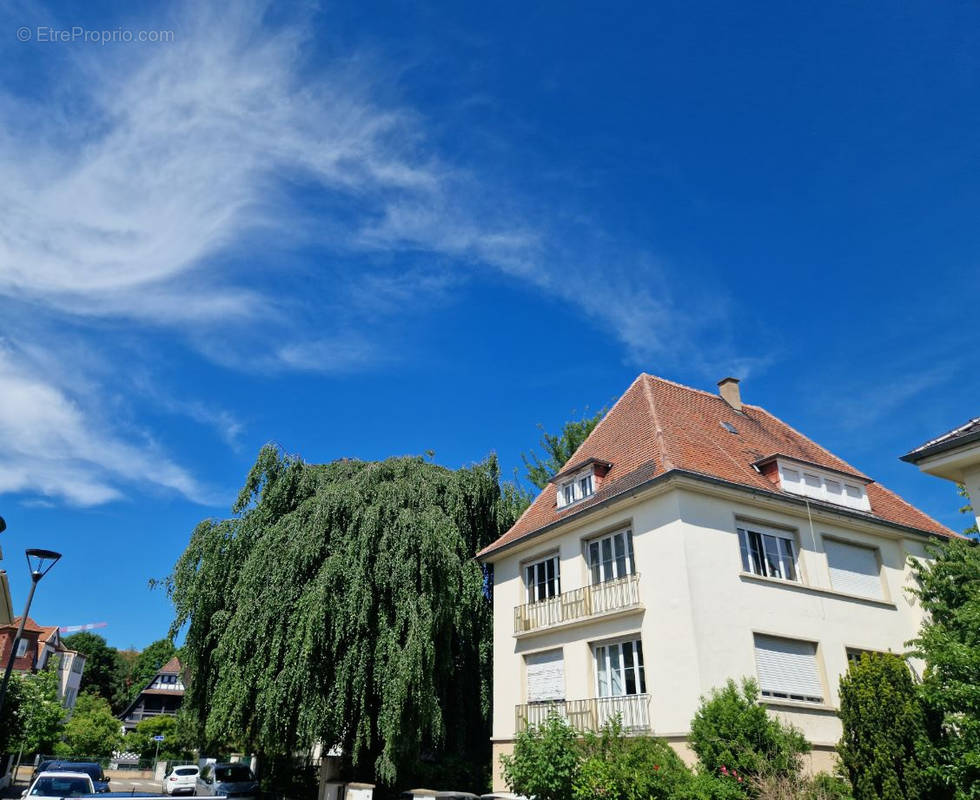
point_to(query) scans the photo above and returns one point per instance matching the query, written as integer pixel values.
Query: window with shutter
(545, 677)
(854, 569)
(787, 669)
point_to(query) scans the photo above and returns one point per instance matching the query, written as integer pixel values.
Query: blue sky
(367, 229)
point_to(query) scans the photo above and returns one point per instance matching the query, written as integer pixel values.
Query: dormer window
(576, 488)
(822, 484)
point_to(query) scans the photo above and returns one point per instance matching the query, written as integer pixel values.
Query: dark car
(228, 779)
(91, 768)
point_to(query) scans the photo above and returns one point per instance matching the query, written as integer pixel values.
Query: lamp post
(37, 562)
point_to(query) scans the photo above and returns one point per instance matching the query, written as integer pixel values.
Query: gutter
(702, 478)
(922, 453)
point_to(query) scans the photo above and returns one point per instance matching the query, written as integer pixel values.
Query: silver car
(228, 779)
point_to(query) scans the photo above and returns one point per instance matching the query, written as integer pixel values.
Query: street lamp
(40, 563)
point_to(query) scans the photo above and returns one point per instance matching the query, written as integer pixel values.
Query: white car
(182, 780)
(56, 785)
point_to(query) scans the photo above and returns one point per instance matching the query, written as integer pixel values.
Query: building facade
(163, 695)
(40, 647)
(692, 539)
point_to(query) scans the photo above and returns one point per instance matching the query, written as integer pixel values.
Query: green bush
(545, 763)
(884, 730)
(621, 767)
(732, 733)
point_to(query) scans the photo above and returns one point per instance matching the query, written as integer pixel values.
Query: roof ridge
(658, 429)
(571, 458)
(684, 386)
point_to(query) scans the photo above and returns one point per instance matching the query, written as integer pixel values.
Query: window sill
(797, 705)
(818, 590)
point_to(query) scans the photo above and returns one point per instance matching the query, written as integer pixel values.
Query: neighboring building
(689, 540)
(162, 695)
(38, 647)
(6, 605)
(955, 456)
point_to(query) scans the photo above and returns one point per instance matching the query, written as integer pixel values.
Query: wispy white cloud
(155, 187)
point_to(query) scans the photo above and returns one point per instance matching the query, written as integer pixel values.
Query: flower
(656, 767)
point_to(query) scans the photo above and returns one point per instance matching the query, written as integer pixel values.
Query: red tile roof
(659, 426)
(30, 625)
(172, 667)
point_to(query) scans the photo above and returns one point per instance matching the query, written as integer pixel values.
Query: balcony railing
(590, 715)
(578, 604)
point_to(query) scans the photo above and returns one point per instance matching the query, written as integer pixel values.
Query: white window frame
(575, 488)
(611, 657)
(808, 481)
(772, 560)
(787, 696)
(539, 568)
(21, 648)
(618, 565)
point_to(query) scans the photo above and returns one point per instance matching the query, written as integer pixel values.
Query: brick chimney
(728, 389)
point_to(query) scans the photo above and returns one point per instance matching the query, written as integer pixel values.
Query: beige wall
(699, 613)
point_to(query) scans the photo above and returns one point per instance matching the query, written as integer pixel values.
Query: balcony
(592, 714)
(578, 605)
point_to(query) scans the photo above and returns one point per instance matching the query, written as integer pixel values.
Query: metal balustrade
(578, 604)
(591, 714)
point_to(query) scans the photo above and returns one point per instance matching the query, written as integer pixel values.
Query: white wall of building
(698, 611)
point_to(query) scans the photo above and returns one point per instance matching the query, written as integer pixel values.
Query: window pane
(607, 572)
(639, 666)
(629, 552)
(603, 671)
(755, 551)
(772, 557)
(743, 547)
(620, 555)
(789, 562)
(615, 672)
(594, 561)
(550, 570)
(628, 668)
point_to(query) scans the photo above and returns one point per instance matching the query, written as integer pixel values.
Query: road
(141, 785)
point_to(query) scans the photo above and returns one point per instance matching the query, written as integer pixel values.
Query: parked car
(182, 779)
(226, 779)
(57, 785)
(42, 766)
(425, 794)
(91, 768)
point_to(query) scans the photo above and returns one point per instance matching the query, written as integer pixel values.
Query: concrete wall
(699, 612)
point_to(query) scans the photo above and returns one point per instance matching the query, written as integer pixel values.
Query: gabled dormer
(818, 483)
(579, 481)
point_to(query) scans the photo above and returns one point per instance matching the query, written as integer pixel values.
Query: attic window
(830, 487)
(575, 488)
(729, 427)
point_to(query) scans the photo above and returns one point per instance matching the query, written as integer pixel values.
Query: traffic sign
(158, 738)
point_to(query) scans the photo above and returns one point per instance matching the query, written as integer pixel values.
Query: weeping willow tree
(342, 604)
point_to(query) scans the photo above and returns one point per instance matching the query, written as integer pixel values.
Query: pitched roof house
(690, 539)
(40, 646)
(954, 456)
(162, 695)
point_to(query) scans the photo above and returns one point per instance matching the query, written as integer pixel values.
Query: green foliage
(884, 729)
(12, 718)
(558, 448)
(140, 740)
(40, 710)
(731, 730)
(147, 664)
(545, 763)
(342, 604)
(949, 641)
(105, 670)
(618, 767)
(92, 731)
(971, 530)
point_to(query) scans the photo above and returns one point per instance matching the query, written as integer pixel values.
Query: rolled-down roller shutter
(853, 569)
(788, 668)
(545, 676)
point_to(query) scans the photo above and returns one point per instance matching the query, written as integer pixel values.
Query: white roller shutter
(545, 676)
(853, 569)
(787, 667)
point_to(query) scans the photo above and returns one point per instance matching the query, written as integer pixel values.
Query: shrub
(884, 730)
(731, 732)
(545, 763)
(618, 767)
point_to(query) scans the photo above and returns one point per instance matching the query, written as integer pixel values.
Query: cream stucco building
(693, 539)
